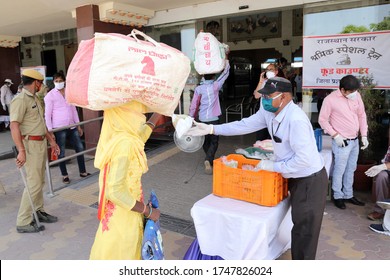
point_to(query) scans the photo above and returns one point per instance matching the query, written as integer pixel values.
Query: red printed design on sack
(149, 67)
(207, 46)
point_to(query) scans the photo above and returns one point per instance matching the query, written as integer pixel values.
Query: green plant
(373, 100)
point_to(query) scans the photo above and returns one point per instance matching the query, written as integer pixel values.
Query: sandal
(83, 175)
(66, 180)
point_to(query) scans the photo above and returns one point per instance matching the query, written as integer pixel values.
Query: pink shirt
(58, 112)
(343, 116)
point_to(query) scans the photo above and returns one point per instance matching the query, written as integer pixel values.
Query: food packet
(231, 163)
(248, 167)
(182, 124)
(265, 145)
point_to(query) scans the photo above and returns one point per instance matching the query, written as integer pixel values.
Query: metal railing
(54, 162)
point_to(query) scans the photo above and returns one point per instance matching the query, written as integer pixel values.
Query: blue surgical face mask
(267, 104)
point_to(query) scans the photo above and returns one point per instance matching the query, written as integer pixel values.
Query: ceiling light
(124, 14)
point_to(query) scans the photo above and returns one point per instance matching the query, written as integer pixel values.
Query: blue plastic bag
(152, 244)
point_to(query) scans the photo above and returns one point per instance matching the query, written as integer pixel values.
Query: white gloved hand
(265, 164)
(339, 140)
(200, 129)
(4, 108)
(364, 142)
(373, 171)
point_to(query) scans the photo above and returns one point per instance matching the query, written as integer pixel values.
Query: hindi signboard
(329, 58)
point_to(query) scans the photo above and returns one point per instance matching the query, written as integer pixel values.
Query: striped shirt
(343, 116)
(297, 155)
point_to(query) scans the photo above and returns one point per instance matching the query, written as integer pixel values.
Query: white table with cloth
(239, 230)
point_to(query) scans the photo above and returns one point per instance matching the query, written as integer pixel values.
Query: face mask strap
(39, 87)
(277, 96)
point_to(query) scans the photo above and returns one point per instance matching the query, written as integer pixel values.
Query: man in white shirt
(6, 94)
(296, 158)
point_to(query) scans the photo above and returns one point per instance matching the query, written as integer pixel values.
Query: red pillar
(87, 22)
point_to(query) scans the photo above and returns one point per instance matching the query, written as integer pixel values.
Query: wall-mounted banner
(326, 59)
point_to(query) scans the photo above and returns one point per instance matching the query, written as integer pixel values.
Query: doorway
(50, 60)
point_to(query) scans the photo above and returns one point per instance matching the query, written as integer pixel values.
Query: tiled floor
(180, 181)
(345, 234)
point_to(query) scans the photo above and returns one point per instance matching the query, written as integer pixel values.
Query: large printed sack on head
(209, 54)
(112, 69)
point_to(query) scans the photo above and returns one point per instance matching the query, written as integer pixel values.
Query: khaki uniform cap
(32, 74)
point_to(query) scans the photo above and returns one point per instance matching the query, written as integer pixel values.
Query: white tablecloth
(238, 230)
(327, 155)
(5, 119)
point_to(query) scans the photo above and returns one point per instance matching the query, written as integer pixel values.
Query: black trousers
(210, 145)
(308, 197)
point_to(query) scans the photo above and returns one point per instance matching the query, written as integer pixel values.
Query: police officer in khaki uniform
(29, 133)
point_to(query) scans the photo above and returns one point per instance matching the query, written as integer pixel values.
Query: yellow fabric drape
(119, 123)
(121, 159)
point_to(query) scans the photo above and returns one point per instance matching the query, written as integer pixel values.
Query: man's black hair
(27, 80)
(212, 25)
(350, 83)
(282, 60)
(59, 74)
(208, 77)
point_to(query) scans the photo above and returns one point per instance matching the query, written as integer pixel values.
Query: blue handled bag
(152, 244)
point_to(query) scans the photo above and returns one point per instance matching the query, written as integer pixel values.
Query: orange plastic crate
(260, 187)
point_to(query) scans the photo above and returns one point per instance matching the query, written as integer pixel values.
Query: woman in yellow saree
(121, 159)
